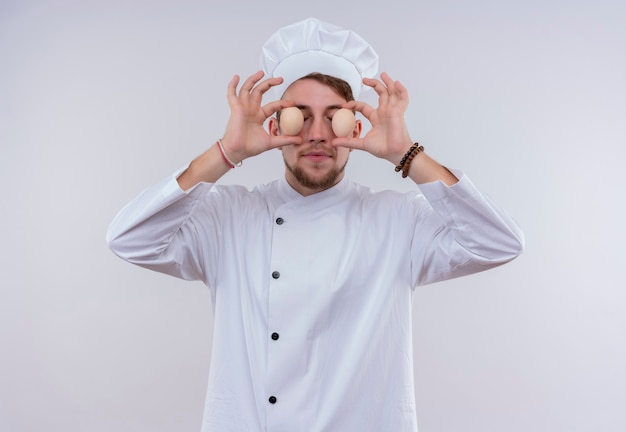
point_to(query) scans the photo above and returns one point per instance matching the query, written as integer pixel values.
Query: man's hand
(245, 135)
(388, 138)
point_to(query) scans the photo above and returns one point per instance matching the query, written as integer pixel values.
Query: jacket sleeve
(159, 230)
(463, 232)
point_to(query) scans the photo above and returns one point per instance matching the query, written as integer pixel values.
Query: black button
(275, 336)
(275, 275)
(280, 221)
(272, 399)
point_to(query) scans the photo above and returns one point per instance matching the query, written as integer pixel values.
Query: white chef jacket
(312, 295)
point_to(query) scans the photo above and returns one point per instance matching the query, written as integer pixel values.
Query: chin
(316, 178)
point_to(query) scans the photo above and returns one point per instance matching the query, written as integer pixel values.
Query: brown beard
(322, 184)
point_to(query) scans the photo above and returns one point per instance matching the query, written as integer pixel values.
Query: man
(312, 275)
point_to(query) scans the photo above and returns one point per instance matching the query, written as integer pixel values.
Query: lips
(317, 155)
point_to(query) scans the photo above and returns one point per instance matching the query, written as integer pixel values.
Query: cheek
(342, 153)
(305, 128)
(288, 152)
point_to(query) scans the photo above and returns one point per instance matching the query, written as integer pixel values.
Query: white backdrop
(98, 99)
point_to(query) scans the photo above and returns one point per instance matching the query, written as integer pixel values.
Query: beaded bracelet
(405, 163)
(230, 163)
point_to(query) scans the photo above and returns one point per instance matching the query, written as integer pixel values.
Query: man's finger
(283, 140)
(275, 106)
(231, 91)
(264, 86)
(362, 107)
(250, 82)
(351, 143)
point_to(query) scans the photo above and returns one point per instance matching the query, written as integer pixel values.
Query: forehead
(312, 93)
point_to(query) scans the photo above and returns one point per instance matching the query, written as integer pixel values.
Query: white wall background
(98, 99)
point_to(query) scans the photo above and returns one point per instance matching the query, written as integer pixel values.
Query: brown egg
(291, 121)
(343, 122)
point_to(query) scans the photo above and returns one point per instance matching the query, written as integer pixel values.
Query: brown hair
(339, 86)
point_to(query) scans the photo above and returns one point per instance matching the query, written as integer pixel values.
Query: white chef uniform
(312, 295)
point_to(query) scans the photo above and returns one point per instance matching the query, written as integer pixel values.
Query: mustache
(318, 150)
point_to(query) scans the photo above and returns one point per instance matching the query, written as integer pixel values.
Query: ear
(358, 127)
(272, 127)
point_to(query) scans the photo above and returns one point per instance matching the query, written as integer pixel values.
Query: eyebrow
(328, 108)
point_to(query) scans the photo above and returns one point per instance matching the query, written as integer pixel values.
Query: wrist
(208, 168)
(396, 157)
(404, 164)
(225, 156)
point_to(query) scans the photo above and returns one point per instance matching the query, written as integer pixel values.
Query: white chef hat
(316, 46)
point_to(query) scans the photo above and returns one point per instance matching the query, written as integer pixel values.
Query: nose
(317, 132)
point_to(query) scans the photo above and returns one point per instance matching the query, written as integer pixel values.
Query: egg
(291, 121)
(343, 122)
